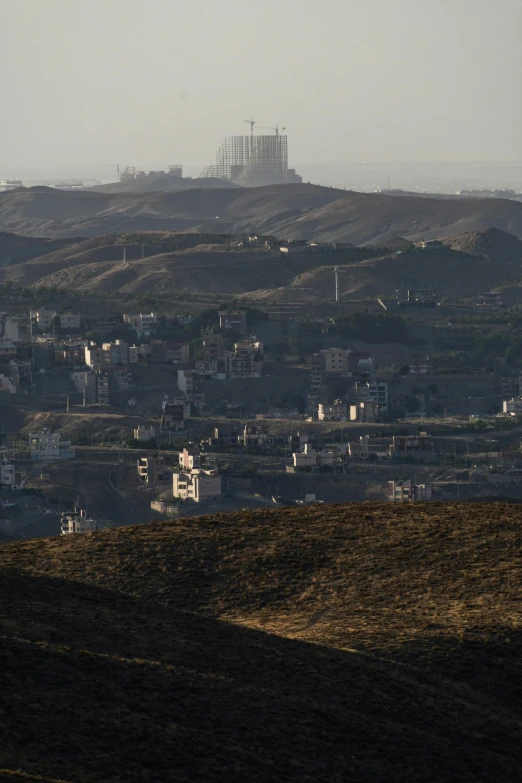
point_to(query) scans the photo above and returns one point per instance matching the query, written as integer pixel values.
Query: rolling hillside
(200, 263)
(338, 643)
(293, 211)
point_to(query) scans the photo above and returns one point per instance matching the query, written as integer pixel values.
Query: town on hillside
(133, 415)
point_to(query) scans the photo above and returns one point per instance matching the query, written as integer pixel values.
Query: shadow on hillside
(99, 686)
(486, 660)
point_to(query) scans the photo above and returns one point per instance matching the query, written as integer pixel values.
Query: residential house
(144, 433)
(310, 458)
(150, 469)
(190, 458)
(197, 485)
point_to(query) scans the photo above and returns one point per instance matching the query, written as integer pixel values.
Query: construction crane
(251, 122)
(110, 165)
(271, 127)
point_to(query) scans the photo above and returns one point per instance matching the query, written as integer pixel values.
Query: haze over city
(110, 80)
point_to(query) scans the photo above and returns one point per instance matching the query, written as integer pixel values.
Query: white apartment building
(48, 446)
(197, 485)
(77, 521)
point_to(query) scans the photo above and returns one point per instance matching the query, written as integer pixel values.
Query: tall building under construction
(253, 160)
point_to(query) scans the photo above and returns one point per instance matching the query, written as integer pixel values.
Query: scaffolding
(252, 161)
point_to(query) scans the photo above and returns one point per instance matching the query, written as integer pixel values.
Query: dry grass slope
(182, 650)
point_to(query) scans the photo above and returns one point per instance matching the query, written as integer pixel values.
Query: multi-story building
(404, 491)
(512, 407)
(337, 411)
(47, 445)
(178, 352)
(421, 447)
(150, 469)
(116, 352)
(45, 319)
(197, 485)
(316, 383)
(110, 353)
(335, 360)
(244, 364)
(364, 412)
(42, 318)
(310, 458)
(365, 449)
(372, 391)
(190, 458)
(173, 415)
(102, 387)
(70, 320)
(213, 346)
(85, 382)
(77, 521)
(189, 382)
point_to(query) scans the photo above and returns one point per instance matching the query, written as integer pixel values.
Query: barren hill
(293, 211)
(346, 643)
(16, 249)
(204, 263)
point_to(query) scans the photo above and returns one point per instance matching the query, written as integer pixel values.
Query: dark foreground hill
(357, 643)
(294, 211)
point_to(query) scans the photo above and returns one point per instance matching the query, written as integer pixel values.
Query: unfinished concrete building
(253, 161)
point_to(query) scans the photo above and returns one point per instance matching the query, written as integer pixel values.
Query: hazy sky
(141, 81)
